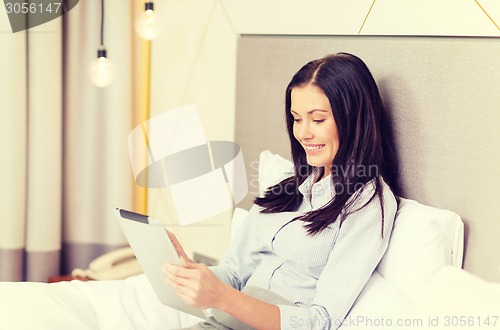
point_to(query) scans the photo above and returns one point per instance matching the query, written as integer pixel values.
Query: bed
(418, 281)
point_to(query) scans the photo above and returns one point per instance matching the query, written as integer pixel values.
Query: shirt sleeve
(242, 255)
(356, 253)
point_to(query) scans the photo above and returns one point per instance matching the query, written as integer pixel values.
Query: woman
(311, 243)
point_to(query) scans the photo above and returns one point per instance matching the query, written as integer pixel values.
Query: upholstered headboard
(443, 95)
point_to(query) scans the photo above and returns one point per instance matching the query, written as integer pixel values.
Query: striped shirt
(322, 274)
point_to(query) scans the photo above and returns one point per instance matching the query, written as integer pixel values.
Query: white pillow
(454, 291)
(272, 169)
(380, 299)
(423, 241)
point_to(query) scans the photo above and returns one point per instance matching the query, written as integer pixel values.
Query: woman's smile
(312, 149)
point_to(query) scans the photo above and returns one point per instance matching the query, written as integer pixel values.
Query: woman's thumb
(185, 262)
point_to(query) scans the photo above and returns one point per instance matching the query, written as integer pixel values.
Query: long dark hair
(366, 152)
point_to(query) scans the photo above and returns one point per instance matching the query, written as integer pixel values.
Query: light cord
(102, 23)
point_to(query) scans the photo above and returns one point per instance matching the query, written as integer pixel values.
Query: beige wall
(194, 59)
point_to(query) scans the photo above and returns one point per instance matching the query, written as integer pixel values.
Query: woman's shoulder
(374, 191)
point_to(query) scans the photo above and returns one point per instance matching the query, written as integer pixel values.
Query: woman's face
(314, 126)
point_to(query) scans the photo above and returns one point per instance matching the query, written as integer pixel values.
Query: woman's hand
(178, 247)
(195, 284)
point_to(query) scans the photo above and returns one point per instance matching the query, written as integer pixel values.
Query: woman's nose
(305, 131)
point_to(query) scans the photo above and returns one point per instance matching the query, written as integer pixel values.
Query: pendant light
(147, 24)
(101, 70)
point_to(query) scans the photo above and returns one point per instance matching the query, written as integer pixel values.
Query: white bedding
(121, 304)
(131, 304)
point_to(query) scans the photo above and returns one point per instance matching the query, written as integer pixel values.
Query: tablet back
(153, 249)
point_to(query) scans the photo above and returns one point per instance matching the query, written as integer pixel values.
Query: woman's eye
(317, 121)
(297, 120)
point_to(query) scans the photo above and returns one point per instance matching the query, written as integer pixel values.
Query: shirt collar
(317, 193)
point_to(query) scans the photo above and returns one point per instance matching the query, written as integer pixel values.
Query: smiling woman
(292, 259)
(336, 125)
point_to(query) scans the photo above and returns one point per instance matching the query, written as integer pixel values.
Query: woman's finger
(180, 271)
(184, 282)
(177, 246)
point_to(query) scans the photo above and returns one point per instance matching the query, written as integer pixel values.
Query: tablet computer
(153, 248)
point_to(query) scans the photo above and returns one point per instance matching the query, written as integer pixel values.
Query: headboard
(443, 94)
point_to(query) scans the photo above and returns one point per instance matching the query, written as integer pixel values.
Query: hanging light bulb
(101, 70)
(147, 24)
